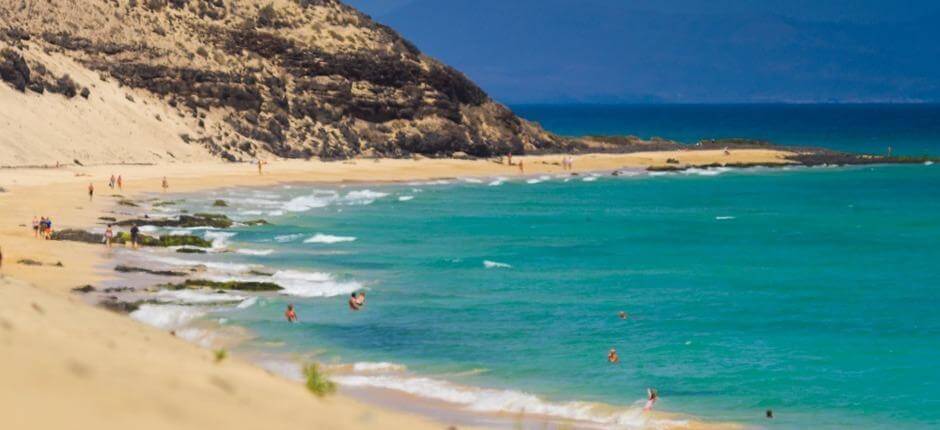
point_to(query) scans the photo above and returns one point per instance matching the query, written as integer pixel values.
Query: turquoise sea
(810, 291)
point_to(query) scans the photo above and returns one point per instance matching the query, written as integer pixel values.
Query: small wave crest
(167, 317)
(329, 238)
(284, 238)
(498, 401)
(495, 265)
(255, 251)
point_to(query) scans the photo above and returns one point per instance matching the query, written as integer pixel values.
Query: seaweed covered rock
(165, 240)
(185, 221)
(227, 285)
(74, 235)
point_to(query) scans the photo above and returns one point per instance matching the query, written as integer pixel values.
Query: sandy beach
(68, 364)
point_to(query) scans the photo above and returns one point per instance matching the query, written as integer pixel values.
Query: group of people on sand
(567, 163)
(612, 357)
(356, 302)
(42, 227)
(116, 181)
(134, 236)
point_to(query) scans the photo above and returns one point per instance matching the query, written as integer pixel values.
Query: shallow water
(812, 292)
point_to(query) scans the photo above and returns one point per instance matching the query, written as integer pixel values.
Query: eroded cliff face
(293, 78)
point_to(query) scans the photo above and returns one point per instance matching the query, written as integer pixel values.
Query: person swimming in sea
(357, 301)
(651, 397)
(612, 356)
(290, 314)
(623, 315)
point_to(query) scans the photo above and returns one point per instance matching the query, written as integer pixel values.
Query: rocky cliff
(247, 78)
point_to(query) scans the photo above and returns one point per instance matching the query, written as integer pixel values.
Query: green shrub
(220, 355)
(317, 382)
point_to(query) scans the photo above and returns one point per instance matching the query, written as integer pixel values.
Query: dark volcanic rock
(14, 70)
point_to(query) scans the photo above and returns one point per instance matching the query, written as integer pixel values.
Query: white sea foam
(219, 239)
(275, 213)
(472, 180)
(167, 317)
(247, 303)
(661, 173)
(284, 238)
(201, 337)
(590, 179)
(380, 367)
(312, 284)
(495, 265)
(722, 218)
(223, 267)
(329, 238)
(499, 401)
(305, 203)
(197, 297)
(498, 181)
(149, 229)
(405, 198)
(363, 197)
(253, 212)
(533, 181)
(928, 163)
(256, 251)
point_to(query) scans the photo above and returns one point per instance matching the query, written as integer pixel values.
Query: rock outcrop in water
(298, 79)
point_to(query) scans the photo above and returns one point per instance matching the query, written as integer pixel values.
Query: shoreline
(61, 195)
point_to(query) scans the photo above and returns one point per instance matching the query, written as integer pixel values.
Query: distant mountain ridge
(292, 78)
(590, 51)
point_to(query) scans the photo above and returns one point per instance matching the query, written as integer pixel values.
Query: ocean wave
(363, 197)
(928, 163)
(589, 179)
(201, 337)
(313, 284)
(405, 198)
(500, 401)
(723, 218)
(319, 199)
(714, 171)
(379, 367)
(197, 297)
(472, 180)
(223, 267)
(495, 265)
(219, 239)
(284, 238)
(167, 317)
(497, 182)
(329, 238)
(255, 251)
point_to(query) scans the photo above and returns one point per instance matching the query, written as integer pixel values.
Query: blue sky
(623, 51)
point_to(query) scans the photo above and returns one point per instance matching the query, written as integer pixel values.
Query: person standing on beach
(108, 236)
(135, 234)
(290, 314)
(651, 397)
(91, 191)
(260, 165)
(165, 184)
(112, 181)
(521, 167)
(120, 182)
(35, 227)
(509, 156)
